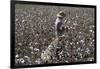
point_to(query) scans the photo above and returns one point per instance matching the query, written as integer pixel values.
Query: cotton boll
(36, 43)
(82, 41)
(71, 43)
(17, 61)
(87, 50)
(31, 47)
(90, 59)
(17, 56)
(26, 57)
(90, 30)
(32, 52)
(36, 49)
(23, 21)
(77, 43)
(21, 60)
(20, 44)
(38, 61)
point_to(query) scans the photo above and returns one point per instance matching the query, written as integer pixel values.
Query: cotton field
(35, 31)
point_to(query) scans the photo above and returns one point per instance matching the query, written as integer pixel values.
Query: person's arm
(59, 26)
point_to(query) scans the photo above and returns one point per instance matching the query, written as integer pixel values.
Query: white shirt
(57, 21)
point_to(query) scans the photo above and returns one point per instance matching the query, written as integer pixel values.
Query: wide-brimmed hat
(61, 14)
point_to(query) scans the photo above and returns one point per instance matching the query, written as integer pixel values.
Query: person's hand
(62, 28)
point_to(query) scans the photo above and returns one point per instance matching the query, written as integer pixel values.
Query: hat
(61, 14)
